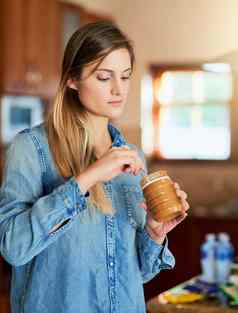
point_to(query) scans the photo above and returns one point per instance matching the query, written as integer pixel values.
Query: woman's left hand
(159, 230)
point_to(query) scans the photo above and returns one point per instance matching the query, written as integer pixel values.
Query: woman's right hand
(114, 162)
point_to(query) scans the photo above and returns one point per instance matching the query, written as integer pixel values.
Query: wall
(181, 30)
(100, 6)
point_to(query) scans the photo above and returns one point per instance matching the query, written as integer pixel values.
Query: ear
(72, 84)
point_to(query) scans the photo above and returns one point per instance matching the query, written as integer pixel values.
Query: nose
(116, 88)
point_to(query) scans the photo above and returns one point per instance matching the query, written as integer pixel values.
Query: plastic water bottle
(224, 258)
(208, 249)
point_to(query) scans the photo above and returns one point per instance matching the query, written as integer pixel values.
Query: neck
(101, 137)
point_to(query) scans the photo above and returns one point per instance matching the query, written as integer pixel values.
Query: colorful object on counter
(227, 294)
(178, 295)
(234, 267)
(182, 298)
(196, 289)
(232, 292)
(160, 195)
(200, 286)
(234, 273)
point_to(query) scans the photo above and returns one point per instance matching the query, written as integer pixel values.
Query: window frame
(156, 71)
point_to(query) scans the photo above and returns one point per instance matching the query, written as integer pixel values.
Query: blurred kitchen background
(182, 109)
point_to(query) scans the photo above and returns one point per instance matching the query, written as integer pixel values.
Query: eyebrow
(111, 71)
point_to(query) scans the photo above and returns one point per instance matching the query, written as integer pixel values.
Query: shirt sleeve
(153, 257)
(27, 217)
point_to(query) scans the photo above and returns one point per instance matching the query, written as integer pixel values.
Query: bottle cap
(148, 179)
(223, 237)
(210, 236)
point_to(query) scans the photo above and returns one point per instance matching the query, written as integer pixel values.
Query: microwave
(18, 113)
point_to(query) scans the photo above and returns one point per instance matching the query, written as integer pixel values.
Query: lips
(115, 103)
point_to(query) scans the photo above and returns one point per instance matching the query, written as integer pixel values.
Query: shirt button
(67, 202)
(74, 213)
(111, 263)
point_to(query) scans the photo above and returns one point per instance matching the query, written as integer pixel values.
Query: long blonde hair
(68, 124)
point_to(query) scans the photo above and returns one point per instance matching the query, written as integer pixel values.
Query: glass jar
(160, 196)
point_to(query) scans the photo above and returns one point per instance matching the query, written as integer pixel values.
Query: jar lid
(153, 177)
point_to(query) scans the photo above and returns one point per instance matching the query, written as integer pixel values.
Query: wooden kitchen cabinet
(12, 65)
(33, 35)
(71, 17)
(29, 41)
(42, 43)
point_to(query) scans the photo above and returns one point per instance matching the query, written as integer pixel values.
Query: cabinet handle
(33, 75)
(18, 85)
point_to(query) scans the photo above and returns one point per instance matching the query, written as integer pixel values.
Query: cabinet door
(42, 44)
(33, 34)
(12, 30)
(72, 17)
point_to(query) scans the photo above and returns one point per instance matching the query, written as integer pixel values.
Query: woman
(72, 222)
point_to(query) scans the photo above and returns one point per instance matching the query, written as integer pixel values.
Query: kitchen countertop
(153, 306)
(211, 305)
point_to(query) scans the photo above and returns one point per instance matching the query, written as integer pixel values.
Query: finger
(140, 164)
(132, 153)
(151, 221)
(114, 148)
(137, 166)
(181, 217)
(185, 205)
(125, 151)
(127, 169)
(130, 158)
(134, 165)
(126, 160)
(120, 149)
(181, 194)
(138, 161)
(143, 205)
(176, 186)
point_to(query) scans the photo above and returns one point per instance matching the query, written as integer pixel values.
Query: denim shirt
(91, 264)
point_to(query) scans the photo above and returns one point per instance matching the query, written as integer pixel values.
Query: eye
(126, 77)
(103, 78)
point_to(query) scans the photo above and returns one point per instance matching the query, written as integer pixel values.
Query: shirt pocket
(133, 197)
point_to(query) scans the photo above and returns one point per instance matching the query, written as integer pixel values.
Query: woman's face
(104, 92)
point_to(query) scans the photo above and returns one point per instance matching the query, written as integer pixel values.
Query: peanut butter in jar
(160, 195)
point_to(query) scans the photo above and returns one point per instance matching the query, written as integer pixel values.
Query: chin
(114, 114)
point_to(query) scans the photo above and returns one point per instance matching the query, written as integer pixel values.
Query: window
(186, 112)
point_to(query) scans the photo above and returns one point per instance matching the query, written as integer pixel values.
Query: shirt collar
(117, 138)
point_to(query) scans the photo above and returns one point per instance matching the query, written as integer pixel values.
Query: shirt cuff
(158, 254)
(73, 198)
